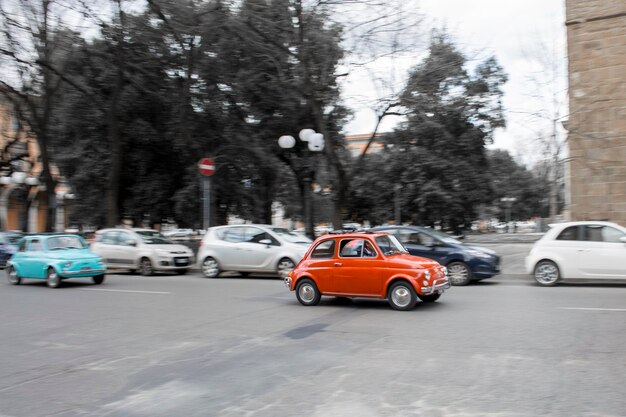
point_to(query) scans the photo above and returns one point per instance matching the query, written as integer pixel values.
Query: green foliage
(195, 79)
(438, 157)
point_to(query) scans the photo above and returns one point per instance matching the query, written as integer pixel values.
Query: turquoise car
(54, 257)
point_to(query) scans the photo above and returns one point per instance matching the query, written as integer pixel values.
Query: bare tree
(32, 42)
(372, 31)
(548, 93)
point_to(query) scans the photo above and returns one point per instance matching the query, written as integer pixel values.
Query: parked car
(54, 258)
(465, 262)
(8, 245)
(143, 250)
(179, 233)
(587, 250)
(366, 265)
(250, 248)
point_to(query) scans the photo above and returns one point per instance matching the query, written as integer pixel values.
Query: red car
(366, 265)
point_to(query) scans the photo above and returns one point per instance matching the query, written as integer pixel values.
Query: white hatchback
(587, 250)
(250, 248)
(143, 250)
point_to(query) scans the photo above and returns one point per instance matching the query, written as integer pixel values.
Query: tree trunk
(113, 184)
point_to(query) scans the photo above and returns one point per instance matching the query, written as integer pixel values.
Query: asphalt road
(188, 346)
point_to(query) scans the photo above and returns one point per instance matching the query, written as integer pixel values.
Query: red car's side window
(356, 248)
(324, 249)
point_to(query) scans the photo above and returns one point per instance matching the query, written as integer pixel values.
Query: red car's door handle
(338, 264)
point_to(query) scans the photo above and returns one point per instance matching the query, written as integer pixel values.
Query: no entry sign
(206, 167)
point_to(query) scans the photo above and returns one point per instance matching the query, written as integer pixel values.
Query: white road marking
(593, 309)
(130, 291)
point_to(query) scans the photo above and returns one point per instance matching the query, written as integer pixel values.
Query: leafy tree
(511, 179)
(438, 158)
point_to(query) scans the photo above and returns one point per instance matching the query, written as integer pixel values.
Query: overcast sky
(508, 29)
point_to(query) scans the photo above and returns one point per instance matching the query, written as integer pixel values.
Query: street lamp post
(63, 198)
(508, 203)
(314, 144)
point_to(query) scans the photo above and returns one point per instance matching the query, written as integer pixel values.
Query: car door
(356, 269)
(257, 255)
(126, 252)
(321, 264)
(566, 248)
(106, 248)
(229, 251)
(35, 260)
(602, 254)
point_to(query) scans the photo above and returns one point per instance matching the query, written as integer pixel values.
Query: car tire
(459, 273)
(13, 277)
(307, 292)
(401, 296)
(284, 267)
(98, 279)
(210, 268)
(546, 273)
(53, 279)
(431, 298)
(145, 267)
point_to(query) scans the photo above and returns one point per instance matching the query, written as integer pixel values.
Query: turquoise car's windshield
(65, 242)
(152, 237)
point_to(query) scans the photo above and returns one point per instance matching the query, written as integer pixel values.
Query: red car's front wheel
(307, 292)
(402, 296)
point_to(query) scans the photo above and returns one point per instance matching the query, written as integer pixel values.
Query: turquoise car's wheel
(12, 276)
(53, 280)
(98, 279)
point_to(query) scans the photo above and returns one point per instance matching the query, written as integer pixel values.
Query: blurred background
(106, 108)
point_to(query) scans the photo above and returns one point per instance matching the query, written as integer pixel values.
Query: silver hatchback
(250, 248)
(143, 250)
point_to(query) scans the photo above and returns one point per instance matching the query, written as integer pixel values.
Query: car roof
(247, 224)
(263, 226)
(400, 226)
(130, 229)
(584, 223)
(48, 235)
(353, 234)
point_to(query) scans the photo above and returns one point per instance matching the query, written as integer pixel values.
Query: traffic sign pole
(206, 167)
(206, 218)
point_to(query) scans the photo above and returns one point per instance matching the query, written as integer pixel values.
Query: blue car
(465, 262)
(53, 258)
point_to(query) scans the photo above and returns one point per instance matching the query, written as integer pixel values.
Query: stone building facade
(596, 38)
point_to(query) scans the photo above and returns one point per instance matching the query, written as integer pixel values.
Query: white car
(143, 250)
(586, 250)
(178, 233)
(250, 248)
